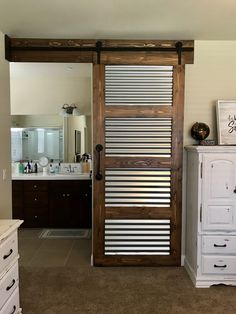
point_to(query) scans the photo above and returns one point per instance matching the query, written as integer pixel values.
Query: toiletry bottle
(87, 166)
(35, 168)
(51, 169)
(28, 167)
(21, 167)
(56, 168)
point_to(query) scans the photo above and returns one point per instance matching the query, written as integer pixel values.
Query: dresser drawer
(35, 199)
(219, 244)
(8, 284)
(219, 265)
(8, 251)
(36, 217)
(36, 185)
(12, 306)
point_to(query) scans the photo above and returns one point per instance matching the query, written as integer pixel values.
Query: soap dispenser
(51, 169)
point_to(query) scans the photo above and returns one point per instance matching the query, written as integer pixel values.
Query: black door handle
(98, 148)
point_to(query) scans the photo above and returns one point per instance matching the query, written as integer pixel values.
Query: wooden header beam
(97, 51)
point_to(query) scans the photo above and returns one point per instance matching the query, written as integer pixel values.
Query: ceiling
(123, 19)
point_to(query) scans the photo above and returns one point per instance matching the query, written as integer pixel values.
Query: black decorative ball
(200, 131)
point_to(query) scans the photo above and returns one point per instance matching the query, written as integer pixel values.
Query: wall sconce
(69, 110)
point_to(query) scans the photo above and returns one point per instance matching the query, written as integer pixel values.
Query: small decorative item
(200, 131)
(226, 122)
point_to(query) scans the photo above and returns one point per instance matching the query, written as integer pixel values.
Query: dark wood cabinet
(82, 197)
(53, 203)
(35, 200)
(17, 199)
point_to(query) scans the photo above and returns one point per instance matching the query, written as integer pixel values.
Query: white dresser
(9, 275)
(211, 215)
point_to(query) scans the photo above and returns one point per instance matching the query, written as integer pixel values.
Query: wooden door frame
(148, 52)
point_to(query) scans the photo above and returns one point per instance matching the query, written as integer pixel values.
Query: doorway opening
(55, 201)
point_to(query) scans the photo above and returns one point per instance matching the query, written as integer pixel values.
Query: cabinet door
(17, 200)
(59, 209)
(81, 208)
(218, 196)
(81, 211)
(70, 204)
(36, 217)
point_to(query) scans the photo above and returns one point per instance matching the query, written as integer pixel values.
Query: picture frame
(226, 122)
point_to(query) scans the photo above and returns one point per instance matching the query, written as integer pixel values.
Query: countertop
(51, 176)
(7, 226)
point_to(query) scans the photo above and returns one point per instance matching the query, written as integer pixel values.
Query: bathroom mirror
(55, 137)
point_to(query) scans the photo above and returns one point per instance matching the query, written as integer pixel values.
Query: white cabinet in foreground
(211, 215)
(9, 274)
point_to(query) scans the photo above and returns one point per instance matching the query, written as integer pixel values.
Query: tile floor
(38, 252)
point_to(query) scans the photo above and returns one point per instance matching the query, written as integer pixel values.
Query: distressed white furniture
(9, 276)
(211, 215)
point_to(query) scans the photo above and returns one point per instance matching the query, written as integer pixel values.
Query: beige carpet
(69, 290)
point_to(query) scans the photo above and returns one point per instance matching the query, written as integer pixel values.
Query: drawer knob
(11, 285)
(220, 266)
(35, 199)
(7, 255)
(35, 186)
(235, 190)
(220, 245)
(36, 217)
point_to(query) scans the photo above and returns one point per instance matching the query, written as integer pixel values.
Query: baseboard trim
(190, 271)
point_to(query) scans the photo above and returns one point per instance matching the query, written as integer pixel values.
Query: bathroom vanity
(53, 200)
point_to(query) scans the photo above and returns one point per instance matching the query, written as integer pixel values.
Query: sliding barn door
(137, 136)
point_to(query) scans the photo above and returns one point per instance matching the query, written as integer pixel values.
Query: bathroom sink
(70, 174)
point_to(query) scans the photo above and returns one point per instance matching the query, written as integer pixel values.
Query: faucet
(71, 169)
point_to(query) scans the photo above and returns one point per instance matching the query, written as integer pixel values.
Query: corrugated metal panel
(138, 85)
(138, 137)
(137, 237)
(137, 187)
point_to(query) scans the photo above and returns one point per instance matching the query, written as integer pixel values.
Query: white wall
(5, 156)
(46, 95)
(25, 121)
(211, 77)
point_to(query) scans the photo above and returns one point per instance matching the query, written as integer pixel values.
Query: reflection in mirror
(57, 138)
(77, 142)
(77, 136)
(33, 143)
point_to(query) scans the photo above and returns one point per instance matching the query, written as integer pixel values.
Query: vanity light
(68, 110)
